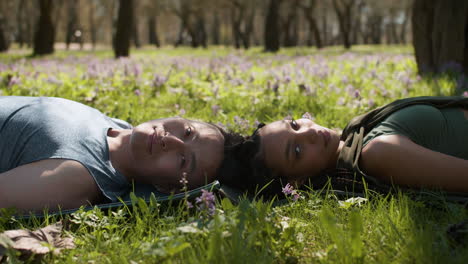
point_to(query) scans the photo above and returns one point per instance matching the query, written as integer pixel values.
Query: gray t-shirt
(37, 128)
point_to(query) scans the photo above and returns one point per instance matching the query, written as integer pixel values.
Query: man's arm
(50, 183)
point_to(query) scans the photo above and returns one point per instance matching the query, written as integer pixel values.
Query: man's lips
(151, 139)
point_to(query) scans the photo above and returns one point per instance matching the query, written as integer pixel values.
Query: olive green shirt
(442, 130)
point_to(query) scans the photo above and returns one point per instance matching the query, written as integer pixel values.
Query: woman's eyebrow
(287, 151)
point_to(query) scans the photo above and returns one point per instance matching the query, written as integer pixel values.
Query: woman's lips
(326, 137)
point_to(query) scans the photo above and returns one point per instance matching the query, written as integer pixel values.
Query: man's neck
(119, 144)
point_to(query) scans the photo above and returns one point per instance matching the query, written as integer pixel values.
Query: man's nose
(171, 142)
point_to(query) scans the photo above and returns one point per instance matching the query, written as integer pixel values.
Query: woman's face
(297, 149)
(164, 149)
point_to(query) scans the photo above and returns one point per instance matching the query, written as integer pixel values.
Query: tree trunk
(404, 25)
(152, 32)
(313, 27)
(71, 24)
(124, 29)
(3, 40)
(235, 25)
(375, 26)
(92, 26)
(324, 28)
(215, 33)
(343, 10)
(201, 31)
(20, 23)
(272, 33)
(290, 29)
(45, 35)
(135, 33)
(249, 25)
(440, 35)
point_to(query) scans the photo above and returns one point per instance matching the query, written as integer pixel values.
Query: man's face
(163, 150)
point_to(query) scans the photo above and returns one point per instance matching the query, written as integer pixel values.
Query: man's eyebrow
(193, 164)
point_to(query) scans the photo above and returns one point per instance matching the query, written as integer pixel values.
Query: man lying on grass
(56, 153)
(417, 142)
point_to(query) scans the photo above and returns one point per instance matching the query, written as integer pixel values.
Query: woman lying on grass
(417, 142)
(56, 153)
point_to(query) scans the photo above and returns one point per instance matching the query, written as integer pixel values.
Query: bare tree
(152, 11)
(344, 11)
(3, 41)
(313, 26)
(124, 29)
(290, 23)
(192, 22)
(45, 34)
(272, 34)
(242, 16)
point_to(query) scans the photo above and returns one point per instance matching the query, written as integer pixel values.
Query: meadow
(238, 89)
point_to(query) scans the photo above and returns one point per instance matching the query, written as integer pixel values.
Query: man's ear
(166, 189)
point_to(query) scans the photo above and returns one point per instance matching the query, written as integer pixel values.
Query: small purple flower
(159, 80)
(182, 112)
(307, 115)
(288, 189)
(356, 94)
(206, 202)
(189, 205)
(275, 87)
(183, 180)
(465, 94)
(295, 196)
(371, 103)
(137, 92)
(215, 109)
(14, 80)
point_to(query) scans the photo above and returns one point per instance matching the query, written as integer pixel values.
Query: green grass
(238, 88)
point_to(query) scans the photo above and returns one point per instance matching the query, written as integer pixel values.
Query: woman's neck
(336, 154)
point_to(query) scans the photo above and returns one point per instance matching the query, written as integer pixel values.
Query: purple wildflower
(215, 109)
(465, 94)
(183, 180)
(159, 80)
(189, 205)
(182, 112)
(137, 92)
(356, 94)
(307, 115)
(288, 189)
(295, 196)
(206, 202)
(14, 80)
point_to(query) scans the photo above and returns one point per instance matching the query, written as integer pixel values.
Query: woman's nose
(170, 142)
(308, 134)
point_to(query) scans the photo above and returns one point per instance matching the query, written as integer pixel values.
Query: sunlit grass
(238, 88)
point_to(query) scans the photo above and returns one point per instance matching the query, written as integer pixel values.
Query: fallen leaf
(37, 242)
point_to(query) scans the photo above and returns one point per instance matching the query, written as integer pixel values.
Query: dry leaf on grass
(38, 242)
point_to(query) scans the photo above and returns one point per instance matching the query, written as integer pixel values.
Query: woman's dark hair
(243, 168)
